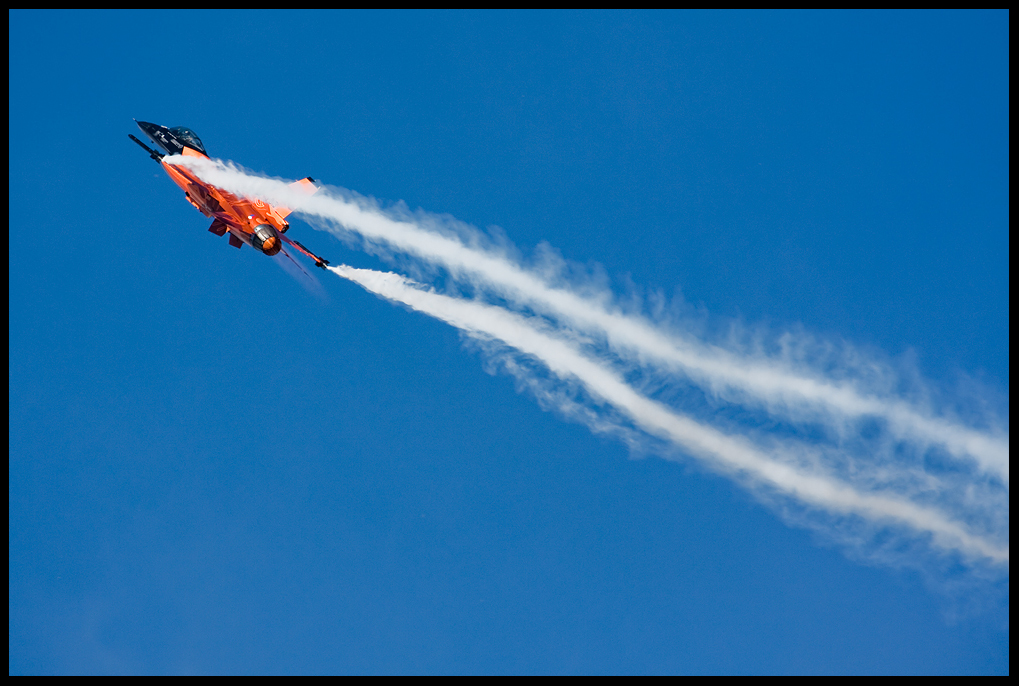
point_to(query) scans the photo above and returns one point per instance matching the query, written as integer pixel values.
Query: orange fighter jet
(254, 222)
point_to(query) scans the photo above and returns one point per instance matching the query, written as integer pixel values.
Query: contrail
(722, 451)
(795, 393)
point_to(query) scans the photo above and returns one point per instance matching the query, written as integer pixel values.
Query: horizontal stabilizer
(306, 186)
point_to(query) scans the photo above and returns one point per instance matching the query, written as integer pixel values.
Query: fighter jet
(254, 222)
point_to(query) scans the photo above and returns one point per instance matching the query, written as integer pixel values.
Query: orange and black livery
(247, 220)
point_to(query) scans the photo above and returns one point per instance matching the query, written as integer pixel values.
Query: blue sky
(212, 469)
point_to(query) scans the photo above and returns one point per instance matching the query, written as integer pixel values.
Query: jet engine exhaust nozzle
(265, 239)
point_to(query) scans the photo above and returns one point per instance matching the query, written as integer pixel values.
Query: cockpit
(188, 136)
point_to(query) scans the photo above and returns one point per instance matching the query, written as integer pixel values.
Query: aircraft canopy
(188, 136)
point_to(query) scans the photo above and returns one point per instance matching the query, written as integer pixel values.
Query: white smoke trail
(732, 454)
(794, 392)
(865, 487)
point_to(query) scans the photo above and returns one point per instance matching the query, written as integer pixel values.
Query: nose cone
(161, 136)
(150, 130)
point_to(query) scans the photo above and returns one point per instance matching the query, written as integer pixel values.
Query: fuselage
(249, 221)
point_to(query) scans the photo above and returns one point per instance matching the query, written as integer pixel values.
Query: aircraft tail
(306, 186)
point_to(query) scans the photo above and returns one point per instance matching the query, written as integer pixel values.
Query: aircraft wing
(319, 262)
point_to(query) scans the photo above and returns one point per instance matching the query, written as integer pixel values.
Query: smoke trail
(729, 453)
(860, 486)
(782, 388)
